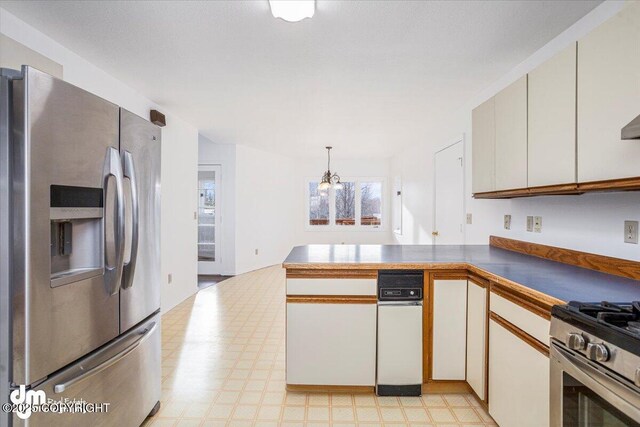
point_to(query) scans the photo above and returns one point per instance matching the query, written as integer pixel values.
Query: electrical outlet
(537, 224)
(469, 218)
(169, 278)
(507, 222)
(529, 223)
(256, 251)
(631, 232)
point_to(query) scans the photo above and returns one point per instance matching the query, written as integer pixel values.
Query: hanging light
(329, 179)
(292, 10)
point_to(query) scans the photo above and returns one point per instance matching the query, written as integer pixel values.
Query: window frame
(332, 226)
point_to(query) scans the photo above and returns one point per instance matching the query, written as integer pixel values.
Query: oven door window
(581, 407)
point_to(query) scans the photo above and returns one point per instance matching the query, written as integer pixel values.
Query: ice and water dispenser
(76, 215)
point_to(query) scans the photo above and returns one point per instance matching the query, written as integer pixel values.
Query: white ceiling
(364, 76)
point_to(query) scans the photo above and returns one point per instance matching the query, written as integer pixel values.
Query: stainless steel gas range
(595, 365)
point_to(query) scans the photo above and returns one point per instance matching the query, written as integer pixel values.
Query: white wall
(210, 153)
(265, 208)
(592, 223)
(346, 168)
(179, 156)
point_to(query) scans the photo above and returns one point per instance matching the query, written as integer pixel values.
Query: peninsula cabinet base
(307, 388)
(432, 387)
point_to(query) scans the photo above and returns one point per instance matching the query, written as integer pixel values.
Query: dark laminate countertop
(561, 281)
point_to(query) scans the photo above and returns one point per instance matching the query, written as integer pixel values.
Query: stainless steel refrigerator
(79, 251)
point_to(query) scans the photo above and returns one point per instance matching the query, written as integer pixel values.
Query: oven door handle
(625, 398)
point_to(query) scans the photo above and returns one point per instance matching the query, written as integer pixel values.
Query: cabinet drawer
(529, 322)
(331, 287)
(331, 344)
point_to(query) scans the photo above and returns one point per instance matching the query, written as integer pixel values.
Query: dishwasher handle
(400, 303)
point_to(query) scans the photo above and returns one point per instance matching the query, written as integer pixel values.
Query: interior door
(140, 154)
(67, 213)
(449, 196)
(209, 184)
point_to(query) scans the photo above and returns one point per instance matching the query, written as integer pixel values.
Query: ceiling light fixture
(292, 10)
(329, 179)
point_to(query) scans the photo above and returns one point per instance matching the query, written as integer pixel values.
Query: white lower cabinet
(476, 338)
(518, 380)
(449, 329)
(331, 344)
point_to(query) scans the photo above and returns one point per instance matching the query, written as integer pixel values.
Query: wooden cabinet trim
(332, 299)
(537, 345)
(621, 184)
(602, 263)
(309, 388)
(306, 273)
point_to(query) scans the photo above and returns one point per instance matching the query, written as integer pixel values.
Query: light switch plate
(529, 223)
(537, 224)
(631, 232)
(469, 218)
(507, 222)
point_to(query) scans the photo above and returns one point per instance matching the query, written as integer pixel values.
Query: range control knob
(576, 341)
(637, 378)
(597, 352)
(412, 293)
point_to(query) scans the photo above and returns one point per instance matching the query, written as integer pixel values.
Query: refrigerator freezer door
(61, 138)
(140, 151)
(125, 374)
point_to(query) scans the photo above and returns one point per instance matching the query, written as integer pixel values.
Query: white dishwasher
(399, 358)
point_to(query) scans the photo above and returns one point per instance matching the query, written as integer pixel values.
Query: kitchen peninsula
(485, 320)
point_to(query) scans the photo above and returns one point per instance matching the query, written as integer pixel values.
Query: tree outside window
(318, 205)
(357, 204)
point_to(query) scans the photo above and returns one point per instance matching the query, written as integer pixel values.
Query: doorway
(209, 186)
(448, 215)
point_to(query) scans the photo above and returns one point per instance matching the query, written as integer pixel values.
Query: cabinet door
(331, 344)
(449, 329)
(511, 136)
(608, 97)
(552, 121)
(483, 147)
(518, 381)
(476, 338)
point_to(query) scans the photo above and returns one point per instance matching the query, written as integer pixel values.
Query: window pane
(371, 203)
(206, 215)
(318, 205)
(346, 204)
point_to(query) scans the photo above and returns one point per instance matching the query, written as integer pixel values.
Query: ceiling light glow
(292, 10)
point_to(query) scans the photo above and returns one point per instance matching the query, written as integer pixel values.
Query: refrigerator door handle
(113, 274)
(60, 388)
(129, 173)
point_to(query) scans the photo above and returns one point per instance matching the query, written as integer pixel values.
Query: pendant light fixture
(329, 179)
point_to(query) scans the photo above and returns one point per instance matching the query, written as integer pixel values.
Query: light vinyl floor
(223, 364)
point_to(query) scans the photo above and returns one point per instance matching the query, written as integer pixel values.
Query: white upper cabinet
(609, 97)
(552, 121)
(511, 136)
(483, 147)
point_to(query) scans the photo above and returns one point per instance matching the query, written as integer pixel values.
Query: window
(358, 205)
(318, 205)
(346, 204)
(371, 203)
